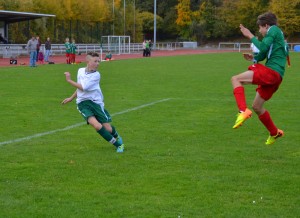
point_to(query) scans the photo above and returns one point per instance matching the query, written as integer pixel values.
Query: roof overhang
(15, 16)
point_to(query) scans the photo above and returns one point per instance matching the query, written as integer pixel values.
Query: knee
(257, 109)
(94, 123)
(108, 127)
(97, 126)
(234, 79)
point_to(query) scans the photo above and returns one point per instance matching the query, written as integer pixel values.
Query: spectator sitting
(108, 56)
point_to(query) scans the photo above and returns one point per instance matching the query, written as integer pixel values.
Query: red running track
(60, 59)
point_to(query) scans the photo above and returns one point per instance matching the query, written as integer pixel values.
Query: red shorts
(67, 55)
(72, 56)
(268, 80)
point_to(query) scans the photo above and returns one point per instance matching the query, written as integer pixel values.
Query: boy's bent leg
(263, 114)
(242, 79)
(110, 128)
(116, 135)
(275, 133)
(239, 94)
(108, 137)
(103, 132)
(267, 121)
(265, 118)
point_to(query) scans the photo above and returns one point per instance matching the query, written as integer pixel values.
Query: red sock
(266, 119)
(240, 99)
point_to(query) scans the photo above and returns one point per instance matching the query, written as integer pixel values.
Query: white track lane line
(79, 124)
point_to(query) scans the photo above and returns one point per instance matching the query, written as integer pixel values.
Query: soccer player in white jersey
(90, 101)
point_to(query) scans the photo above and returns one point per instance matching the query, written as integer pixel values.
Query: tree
(233, 12)
(248, 11)
(184, 18)
(206, 19)
(169, 28)
(147, 22)
(145, 5)
(190, 19)
(288, 13)
(10, 5)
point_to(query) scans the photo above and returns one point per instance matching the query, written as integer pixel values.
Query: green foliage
(206, 18)
(184, 18)
(184, 13)
(12, 5)
(182, 157)
(199, 19)
(169, 27)
(222, 18)
(288, 15)
(147, 21)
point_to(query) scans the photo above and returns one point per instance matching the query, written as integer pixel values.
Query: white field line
(79, 124)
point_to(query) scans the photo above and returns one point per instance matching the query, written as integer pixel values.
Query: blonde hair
(91, 55)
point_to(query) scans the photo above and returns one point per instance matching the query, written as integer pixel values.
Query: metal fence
(246, 46)
(16, 50)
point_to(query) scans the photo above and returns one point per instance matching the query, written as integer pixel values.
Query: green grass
(182, 157)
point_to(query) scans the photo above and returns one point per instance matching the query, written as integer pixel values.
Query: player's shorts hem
(268, 80)
(89, 108)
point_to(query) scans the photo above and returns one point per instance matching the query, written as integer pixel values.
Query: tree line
(195, 20)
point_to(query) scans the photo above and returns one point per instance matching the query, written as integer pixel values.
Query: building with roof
(7, 17)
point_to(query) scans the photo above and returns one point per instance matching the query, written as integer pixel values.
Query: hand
(68, 76)
(67, 100)
(246, 32)
(248, 57)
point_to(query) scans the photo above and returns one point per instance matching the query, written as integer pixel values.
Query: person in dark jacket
(47, 49)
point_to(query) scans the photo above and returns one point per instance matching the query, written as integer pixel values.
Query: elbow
(81, 88)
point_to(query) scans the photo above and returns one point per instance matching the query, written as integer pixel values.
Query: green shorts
(89, 108)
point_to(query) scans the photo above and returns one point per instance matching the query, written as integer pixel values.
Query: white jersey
(90, 82)
(254, 48)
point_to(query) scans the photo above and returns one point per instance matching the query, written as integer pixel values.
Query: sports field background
(182, 157)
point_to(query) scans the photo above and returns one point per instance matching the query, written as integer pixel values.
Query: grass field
(182, 157)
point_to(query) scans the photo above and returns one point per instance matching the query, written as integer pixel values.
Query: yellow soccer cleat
(272, 139)
(242, 117)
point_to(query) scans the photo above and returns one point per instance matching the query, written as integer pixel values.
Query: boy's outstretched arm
(73, 83)
(246, 32)
(76, 85)
(67, 100)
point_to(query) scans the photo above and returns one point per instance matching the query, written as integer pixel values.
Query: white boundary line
(78, 124)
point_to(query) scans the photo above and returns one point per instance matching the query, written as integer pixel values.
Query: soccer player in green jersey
(89, 100)
(268, 77)
(68, 50)
(73, 52)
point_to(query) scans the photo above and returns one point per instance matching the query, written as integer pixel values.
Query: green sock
(108, 137)
(114, 132)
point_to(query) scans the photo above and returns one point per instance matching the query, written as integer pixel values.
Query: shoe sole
(241, 123)
(281, 134)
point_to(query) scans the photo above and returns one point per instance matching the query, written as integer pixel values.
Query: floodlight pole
(134, 20)
(113, 17)
(124, 16)
(154, 33)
